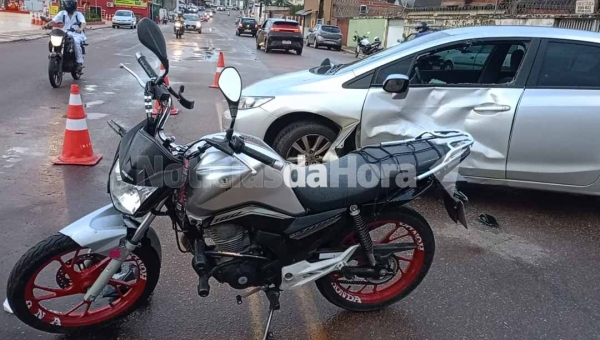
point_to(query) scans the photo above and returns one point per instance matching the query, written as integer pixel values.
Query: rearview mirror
(230, 83)
(149, 35)
(396, 83)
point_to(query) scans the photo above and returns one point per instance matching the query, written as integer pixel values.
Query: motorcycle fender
(103, 230)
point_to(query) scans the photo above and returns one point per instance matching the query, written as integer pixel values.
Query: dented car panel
(486, 113)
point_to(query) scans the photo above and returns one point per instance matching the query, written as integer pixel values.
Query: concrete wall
(376, 26)
(395, 32)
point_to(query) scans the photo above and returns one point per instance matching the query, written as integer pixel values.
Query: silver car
(192, 22)
(532, 105)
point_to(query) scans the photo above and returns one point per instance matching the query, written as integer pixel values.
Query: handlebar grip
(146, 66)
(262, 158)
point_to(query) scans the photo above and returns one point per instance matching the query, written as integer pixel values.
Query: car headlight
(127, 198)
(252, 102)
(56, 40)
(198, 24)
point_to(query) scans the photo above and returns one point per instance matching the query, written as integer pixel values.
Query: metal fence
(514, 7)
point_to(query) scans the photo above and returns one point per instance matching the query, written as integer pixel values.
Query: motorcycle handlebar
(240, 146)
(145, 65)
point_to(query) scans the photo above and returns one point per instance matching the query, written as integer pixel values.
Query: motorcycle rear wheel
(36, 304)
(404, 226)
(55, 74)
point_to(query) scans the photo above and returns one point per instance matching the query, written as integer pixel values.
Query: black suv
(246, 26)
(280, 34)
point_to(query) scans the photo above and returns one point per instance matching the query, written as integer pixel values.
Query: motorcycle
(62, 57)
(359, 245)
(179, 29)
(363, 45)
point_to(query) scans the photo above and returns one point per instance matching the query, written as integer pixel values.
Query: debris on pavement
(489, 220)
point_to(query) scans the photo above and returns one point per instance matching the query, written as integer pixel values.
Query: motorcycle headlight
(252, 102)
(127, 198)
(56, 40)
(177, 24)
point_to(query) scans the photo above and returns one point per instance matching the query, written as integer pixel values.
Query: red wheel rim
(408, 264)
(75, 281)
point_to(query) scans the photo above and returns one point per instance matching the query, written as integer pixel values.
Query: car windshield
(123, 14)
(331, 29)
(191, 17)
(396, 49)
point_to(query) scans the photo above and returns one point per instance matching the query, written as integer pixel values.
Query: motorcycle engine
(232, 238)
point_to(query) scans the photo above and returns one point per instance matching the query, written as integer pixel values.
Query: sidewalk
(18, 27)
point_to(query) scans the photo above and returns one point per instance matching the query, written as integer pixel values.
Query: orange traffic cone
(220, 67)
(33, 18)
(77, 146)
(156, 109)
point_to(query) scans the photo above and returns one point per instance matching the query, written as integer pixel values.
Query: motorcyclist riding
(71, 18)
(422, 29)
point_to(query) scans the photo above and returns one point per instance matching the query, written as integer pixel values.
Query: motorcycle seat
(366, 175)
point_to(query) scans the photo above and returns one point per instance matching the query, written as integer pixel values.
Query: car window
(331, 29)
(249, 21)
(398, 67)
(570, 65)
(486, 63)
(394, 50)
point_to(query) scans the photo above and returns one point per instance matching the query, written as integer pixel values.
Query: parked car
(552, 81)
(192, 22)
(247, 26)
(325, 35)
(280, 34)
(124, 18)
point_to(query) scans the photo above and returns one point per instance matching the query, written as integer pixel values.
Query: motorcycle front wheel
(76, 75)
(55, 74)
(408, 268)
(47, 285)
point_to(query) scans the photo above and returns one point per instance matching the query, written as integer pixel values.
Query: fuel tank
(219, 182)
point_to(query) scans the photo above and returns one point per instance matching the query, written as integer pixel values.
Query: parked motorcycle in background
(62, 56)
(358, 244)
(364, 46)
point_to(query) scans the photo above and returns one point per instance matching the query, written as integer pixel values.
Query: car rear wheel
(304, 141)
(315, 45)
(267, 49)
(299, 52)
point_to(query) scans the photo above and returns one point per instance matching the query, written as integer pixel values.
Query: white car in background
(124, 18)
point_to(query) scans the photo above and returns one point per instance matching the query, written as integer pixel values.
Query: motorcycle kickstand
(273, 296)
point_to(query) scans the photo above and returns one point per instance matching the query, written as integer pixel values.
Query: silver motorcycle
(234, 208)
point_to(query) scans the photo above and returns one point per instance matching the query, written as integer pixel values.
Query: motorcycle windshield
(145, 162)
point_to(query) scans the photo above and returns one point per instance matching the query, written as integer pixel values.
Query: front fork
(115, 263)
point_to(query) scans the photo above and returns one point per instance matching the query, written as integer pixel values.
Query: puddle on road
(209, 54)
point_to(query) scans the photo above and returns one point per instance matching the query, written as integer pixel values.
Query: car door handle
(491, 109)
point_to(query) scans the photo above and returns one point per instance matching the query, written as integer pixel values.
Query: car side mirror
(396, 83)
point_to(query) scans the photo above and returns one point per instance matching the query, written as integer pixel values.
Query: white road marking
(93, 103)
(96, 115)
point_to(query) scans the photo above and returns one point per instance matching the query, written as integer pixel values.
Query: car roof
(524, 32)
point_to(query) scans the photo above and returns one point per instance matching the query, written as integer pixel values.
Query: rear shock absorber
(363, 234)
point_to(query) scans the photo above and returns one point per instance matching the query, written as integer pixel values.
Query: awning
(304, 12)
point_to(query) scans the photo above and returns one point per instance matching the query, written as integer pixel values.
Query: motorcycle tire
(413, 227)
(72, 280)
(76, 75)
(55, 74)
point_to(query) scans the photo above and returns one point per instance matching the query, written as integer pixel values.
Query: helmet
(421, 26)
(70, 6)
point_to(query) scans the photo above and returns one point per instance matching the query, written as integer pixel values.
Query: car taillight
(286, 29)
(256, 26)
(240, 25)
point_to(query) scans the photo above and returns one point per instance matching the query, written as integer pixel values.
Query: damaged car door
(480, 100)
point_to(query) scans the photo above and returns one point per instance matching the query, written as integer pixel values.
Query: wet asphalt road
(535, 277)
